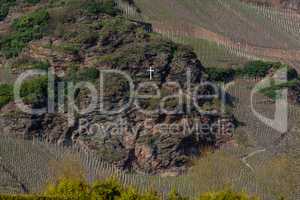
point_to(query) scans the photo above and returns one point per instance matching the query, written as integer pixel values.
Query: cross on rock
(151, 70)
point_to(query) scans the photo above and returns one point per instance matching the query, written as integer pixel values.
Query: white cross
(151, 70)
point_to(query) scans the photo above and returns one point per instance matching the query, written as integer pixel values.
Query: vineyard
(238, 30)
(224, 33)
(255, 164)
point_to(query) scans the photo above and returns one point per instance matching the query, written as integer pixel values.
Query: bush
(272, 91)
(251, 69)
(108, 7)
(68, 188)
(34, 22)
(226, 195)
(6, 94)
(220, 74)
(87, 74)
(77, 188)
(108, 190)
(4, 8)
(25, 29)
(173, 195)
(35, 90)
(256, 69)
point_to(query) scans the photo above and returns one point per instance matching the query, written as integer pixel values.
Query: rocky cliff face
(132, 140)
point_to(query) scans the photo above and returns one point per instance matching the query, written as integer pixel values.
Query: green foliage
(34, 90)
(220, 74)
(68, 188)
(33, 23)
(97, 7)
(225, 195)
(116, 25)
(30, 197)
(256, 68)
(107, 190)
(100, 190)
(76, 188)
(25, 29)
(86, 74)
(130, 194)
(150, 196)
(251, 69)
(4, 7)
(40, 65)
(173, 195)
(6, 94)
(272, 91)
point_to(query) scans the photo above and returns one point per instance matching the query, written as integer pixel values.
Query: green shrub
(76, 188)
(96, 7)
(33, 22)
(25, 29)
(272, 91)
(251, 69)
(4, 8)
(220, 74)
(173, 195)
(6, 94)
(108, 190)
(69, 188)
(130, 194)
(225, 195)
(40, 65)
(87, 74)
(256, 69)
(34, 90)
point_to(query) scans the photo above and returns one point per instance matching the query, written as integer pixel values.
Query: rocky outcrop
(131, 139)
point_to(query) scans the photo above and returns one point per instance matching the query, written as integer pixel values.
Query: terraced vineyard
(256, 162)
(253, 31)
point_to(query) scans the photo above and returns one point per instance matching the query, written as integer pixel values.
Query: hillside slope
(80, 38)
(245, 29)
(285, 4)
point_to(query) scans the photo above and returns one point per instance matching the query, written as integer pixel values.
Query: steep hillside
(286, 4)
(247, 30)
